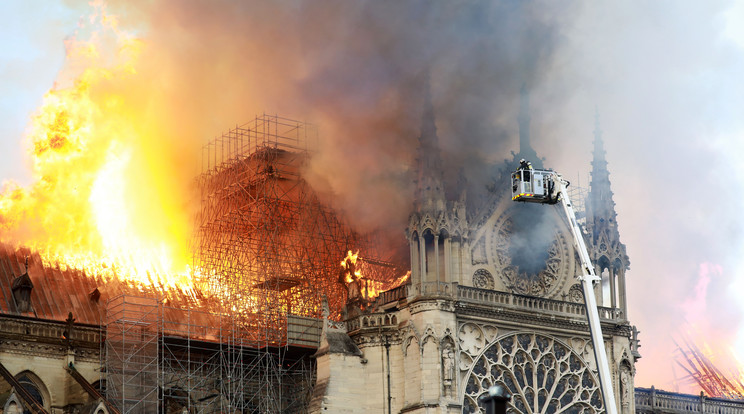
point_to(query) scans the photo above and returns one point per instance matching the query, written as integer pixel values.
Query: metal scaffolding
(132, 357)
(267, 251)
(172, 360)
(266, 244)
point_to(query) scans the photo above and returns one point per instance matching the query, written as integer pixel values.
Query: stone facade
(38, 355)
(493, 299)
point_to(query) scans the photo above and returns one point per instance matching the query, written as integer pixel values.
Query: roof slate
(57, 292)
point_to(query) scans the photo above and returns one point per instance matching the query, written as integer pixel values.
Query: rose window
(482, 279)
(543, 375)
(543, 275)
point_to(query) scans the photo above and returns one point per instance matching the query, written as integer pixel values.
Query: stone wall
(39, 351)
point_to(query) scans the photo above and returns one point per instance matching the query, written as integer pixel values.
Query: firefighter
(526, 168)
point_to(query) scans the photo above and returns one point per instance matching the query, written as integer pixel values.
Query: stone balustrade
(494, 298)
(542, 305)
(373, 320)
(52, 330)
(393, 294)
(433, 289)
(651, 400)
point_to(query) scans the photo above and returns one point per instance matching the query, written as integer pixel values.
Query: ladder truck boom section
(548, 187)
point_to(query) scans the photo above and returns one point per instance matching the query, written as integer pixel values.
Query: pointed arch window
(31, 387)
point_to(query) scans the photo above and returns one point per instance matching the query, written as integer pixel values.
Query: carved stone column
(438, 276)
(613, 293)
(448, 260)
(422, 256)
(623, 297)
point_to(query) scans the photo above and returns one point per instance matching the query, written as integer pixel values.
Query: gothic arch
(429, 334)
(618, 265)
(100, 408)
(13, 405)
(411, 340)
(428, 226)
(603, 263)
(412, 351)
(36, 387)
(541, 372)
(447, 340)
(414, 235)
(430, 357)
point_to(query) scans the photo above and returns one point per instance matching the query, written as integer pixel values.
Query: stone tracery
(542, 374)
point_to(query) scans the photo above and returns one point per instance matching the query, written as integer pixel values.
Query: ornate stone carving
(478, 252)
(546, 282)
(490, 331)
(448, 366)
(625, 387)
(576, 294)
(471, 338)
(541, 373)
(483, 279)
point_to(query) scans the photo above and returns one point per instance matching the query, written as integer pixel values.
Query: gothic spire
(600, 193)
(609, 254)
(430, 182)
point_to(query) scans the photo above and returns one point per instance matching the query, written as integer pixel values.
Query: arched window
(35, 387)
(32, 388)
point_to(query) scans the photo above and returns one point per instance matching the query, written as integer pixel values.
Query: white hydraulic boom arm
(548, 187)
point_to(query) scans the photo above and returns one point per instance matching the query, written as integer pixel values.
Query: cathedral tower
(492, 300)
(608, 253)
(436, 228)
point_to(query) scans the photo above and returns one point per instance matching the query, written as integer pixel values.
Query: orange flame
(97, 201)
(354, 266)
(349, 264)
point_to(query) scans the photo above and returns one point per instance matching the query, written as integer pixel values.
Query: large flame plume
(103, 198)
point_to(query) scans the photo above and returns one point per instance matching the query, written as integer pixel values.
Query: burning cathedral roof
(265, 247)
(56, 290)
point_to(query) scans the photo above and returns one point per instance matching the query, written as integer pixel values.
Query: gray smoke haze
(355, 69)
(665, 75)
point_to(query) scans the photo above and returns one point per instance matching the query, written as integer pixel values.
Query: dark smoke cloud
(355, 69)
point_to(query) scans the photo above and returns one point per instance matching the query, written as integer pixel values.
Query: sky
(665, 77)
